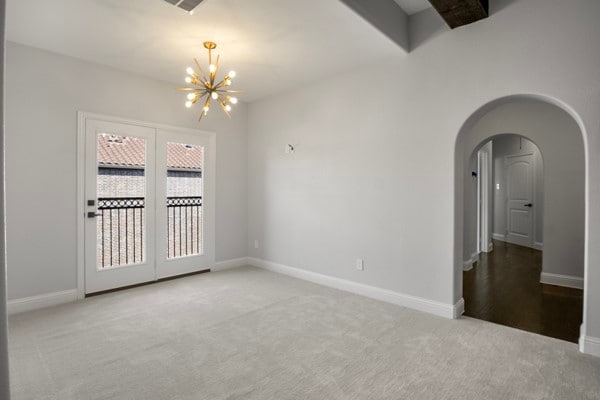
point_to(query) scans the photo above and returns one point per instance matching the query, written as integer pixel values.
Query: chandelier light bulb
(212, 68)
(188, 104)
(232, 74)
(188, 79)
(227, 82)
(214, 95)
(228, 107)
(206, 110)
(191, 96)
(233, 100)
(190, 71)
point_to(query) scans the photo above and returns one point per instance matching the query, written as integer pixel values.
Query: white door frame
(483, 202)
(82, 117)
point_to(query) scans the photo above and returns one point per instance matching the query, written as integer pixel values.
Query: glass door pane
(184, 200)
(121, 191)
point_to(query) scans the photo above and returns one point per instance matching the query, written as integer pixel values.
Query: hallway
(504, 287)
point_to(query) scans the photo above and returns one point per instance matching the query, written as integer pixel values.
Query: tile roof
(114, 150)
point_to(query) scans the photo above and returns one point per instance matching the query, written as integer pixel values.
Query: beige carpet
(252, 334)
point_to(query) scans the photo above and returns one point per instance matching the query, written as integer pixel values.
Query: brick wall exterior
(126, 182)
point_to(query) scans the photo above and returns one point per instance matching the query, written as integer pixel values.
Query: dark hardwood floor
(504, 287)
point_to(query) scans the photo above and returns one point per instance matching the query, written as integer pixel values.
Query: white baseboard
(229, 264)
(42, 301)
(417, 303)
(468, 264)
(502, 238)
(562, 280)
(52, 299)
(589, 345)
(459, 308)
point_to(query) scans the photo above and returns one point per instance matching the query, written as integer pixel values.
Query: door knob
(93, 214)
(529, 205)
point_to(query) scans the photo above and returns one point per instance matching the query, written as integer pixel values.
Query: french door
(148, 204)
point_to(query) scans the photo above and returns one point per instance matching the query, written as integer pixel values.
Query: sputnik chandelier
(205, 89)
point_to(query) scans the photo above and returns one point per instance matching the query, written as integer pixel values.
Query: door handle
(529, 205)
(93, 214)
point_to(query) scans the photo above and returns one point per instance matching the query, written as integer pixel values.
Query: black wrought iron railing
(184, 223)
(121, 229)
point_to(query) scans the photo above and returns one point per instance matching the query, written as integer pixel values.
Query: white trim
(499, 236)
(41, 301)
(589, 345)
(229, 264)
(450, 311)
(81, 117)
(562, 280)
(483, 183)
(459, 308)
(502, 238)
(490, 247)
(468, 264)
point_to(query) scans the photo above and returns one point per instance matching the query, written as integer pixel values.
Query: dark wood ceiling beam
(458, 13)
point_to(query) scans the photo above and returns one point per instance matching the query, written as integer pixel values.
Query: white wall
(44, 91)
(373, 175)
(507, 145)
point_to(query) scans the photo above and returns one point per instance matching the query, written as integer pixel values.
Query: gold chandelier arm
(200, 68)
(221, 84)
(213, 75)
(224, 109)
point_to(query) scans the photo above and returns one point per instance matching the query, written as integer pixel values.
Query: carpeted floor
(252, 334)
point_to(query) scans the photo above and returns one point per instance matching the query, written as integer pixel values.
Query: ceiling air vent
(187, 5)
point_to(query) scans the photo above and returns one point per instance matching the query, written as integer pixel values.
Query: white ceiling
(274, 45)
(413, 6)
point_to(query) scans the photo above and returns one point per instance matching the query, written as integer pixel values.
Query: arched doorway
(560, 140)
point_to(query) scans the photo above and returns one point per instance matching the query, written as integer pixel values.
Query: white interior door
(120, 204)
(185, 207)
(519, 205)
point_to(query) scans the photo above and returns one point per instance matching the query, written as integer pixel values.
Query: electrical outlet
(256, 243)
(360, 264)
